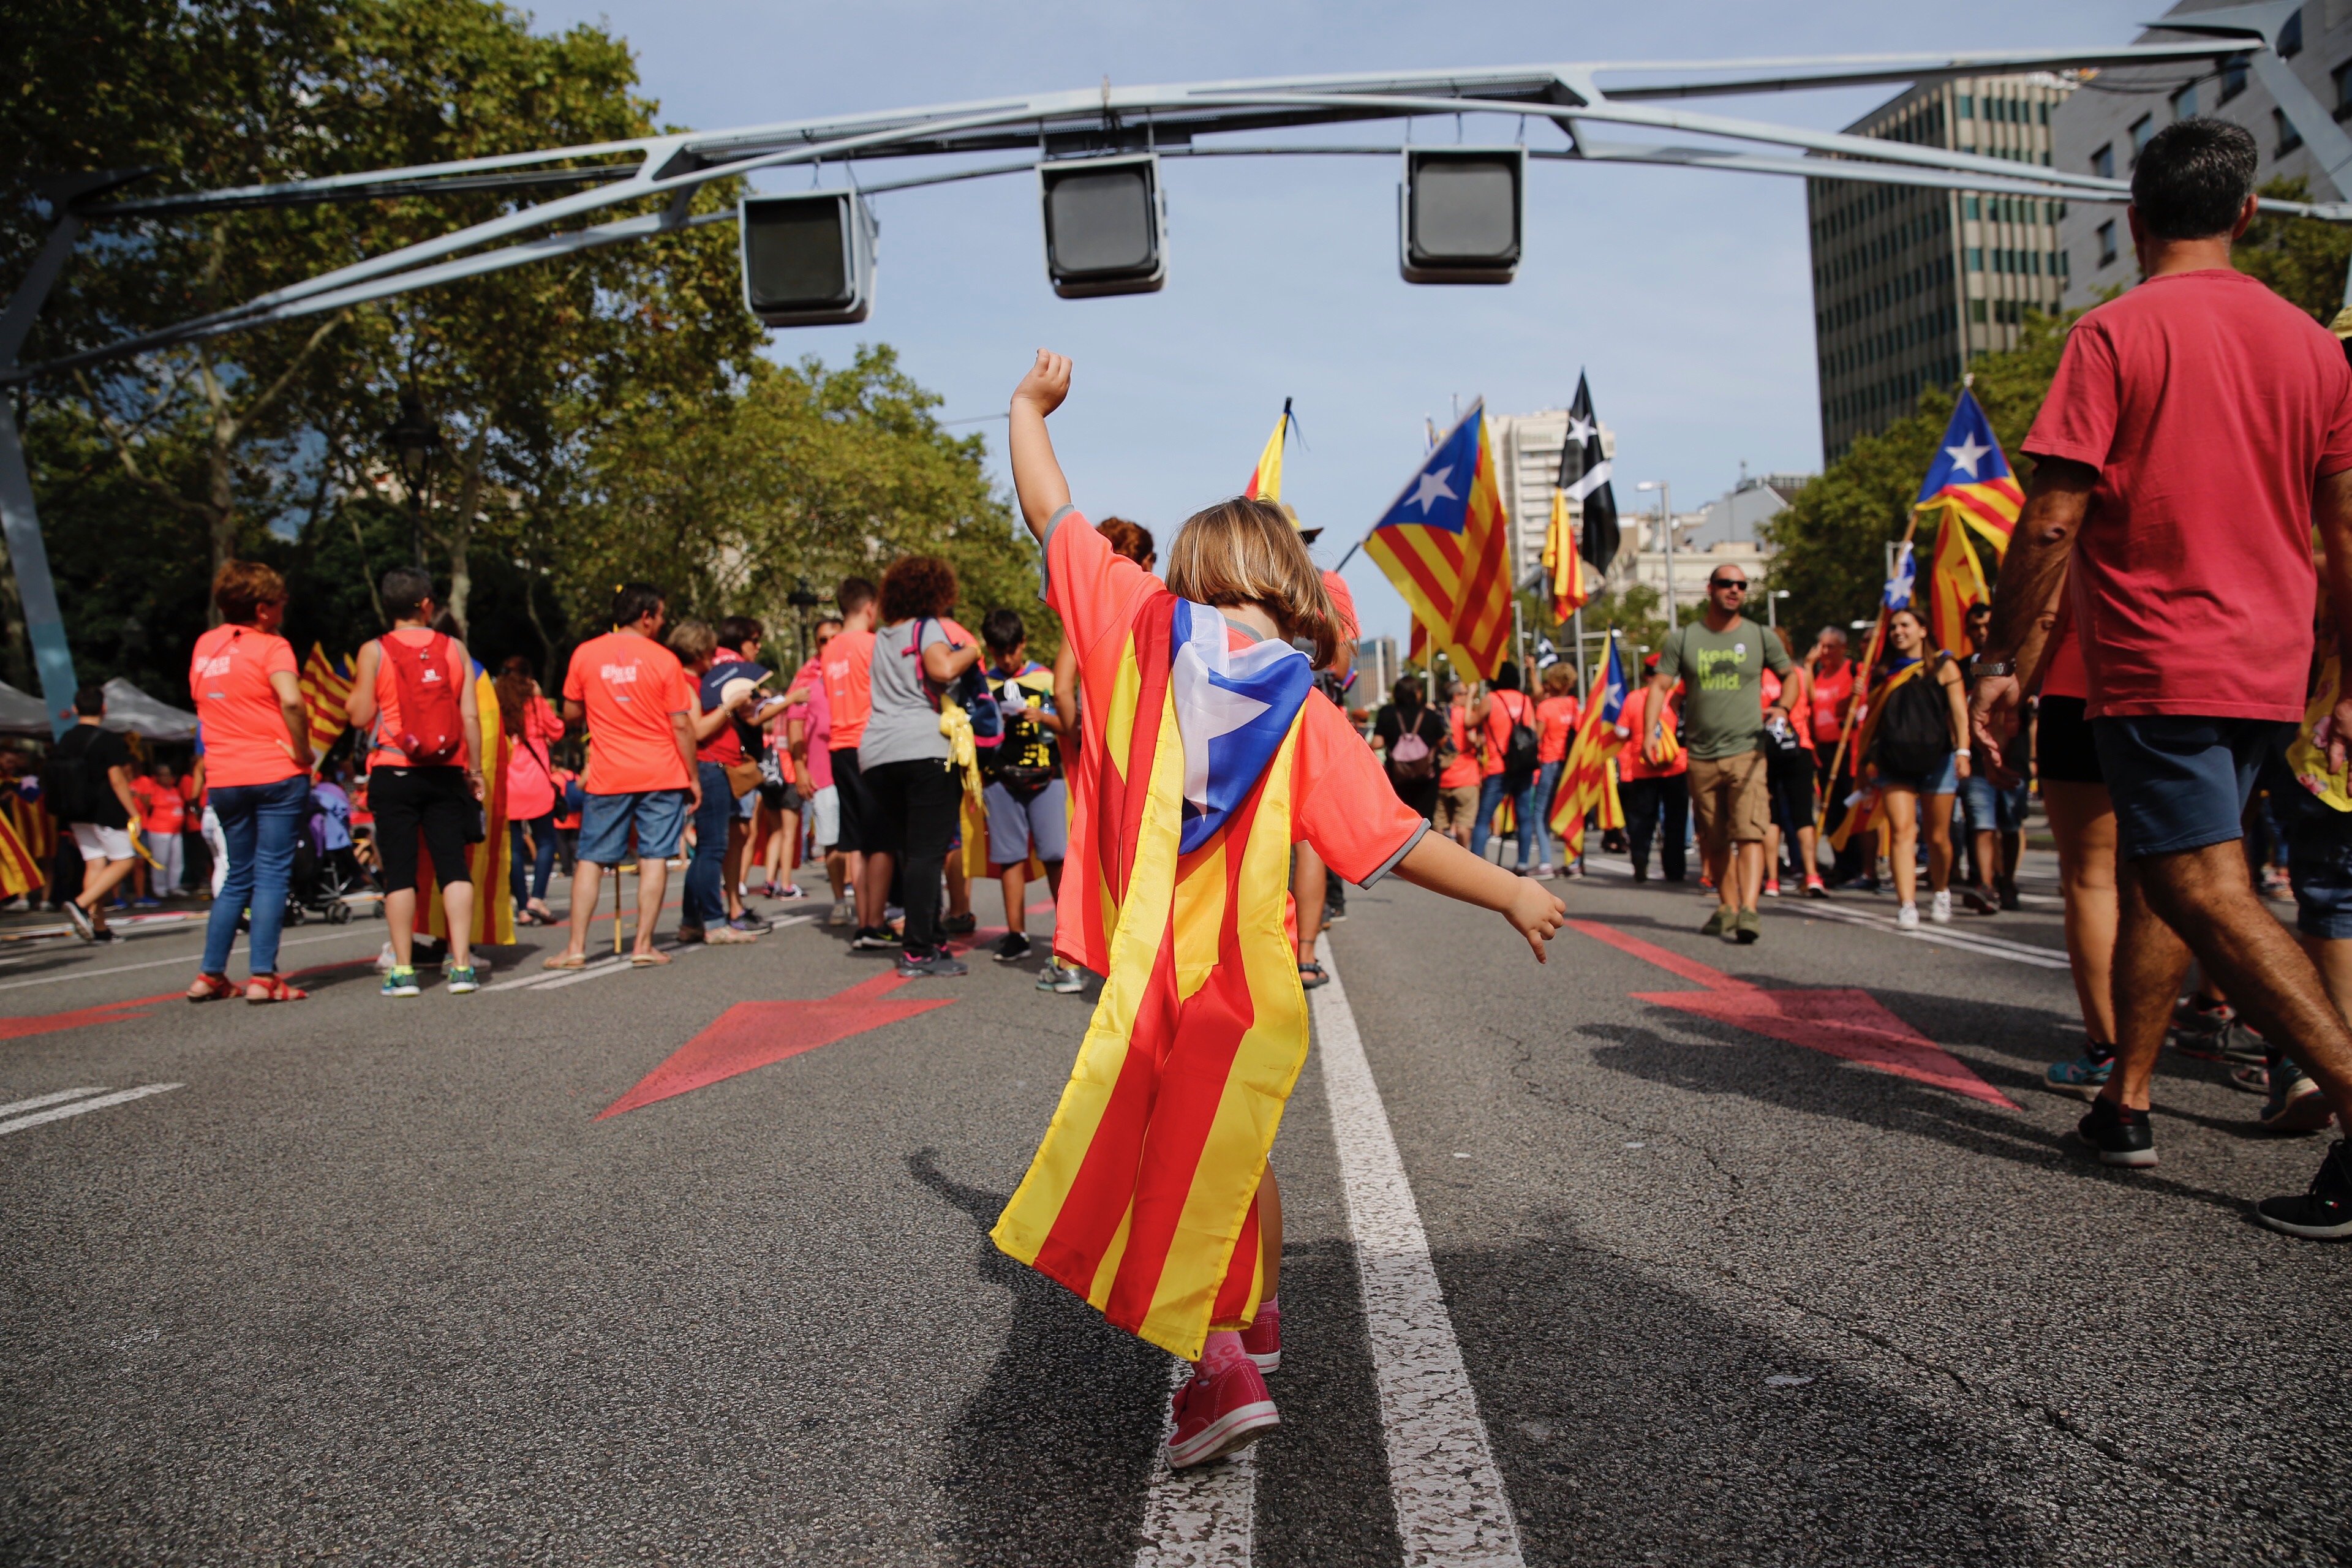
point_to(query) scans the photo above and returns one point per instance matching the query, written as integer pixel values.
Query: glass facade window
(2342, 76)
(2102, 161)
(2288, 137)
(2106, 244)
(2184, 102)
(1976, 257)
(2141, 129)
(2290, 39)
(2233, 78)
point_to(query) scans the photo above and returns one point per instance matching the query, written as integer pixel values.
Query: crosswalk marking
(58, 1112)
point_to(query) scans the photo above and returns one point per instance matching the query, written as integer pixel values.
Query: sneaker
(2009, 899)
(748, 922)
(872, 939)
(2323, 1214)
(1217, 1412)
(462, 981)
(2196, 1015)
(845, 913)
(1771, 886)
(2233, 1041)
(2121, 1137)
(401, 982)
(1940, 908)
(80, 918)
(730, 935)
(1262, 1340)
(785, 892)
(2084, 1074)
(1332, 917)
(1814, 886)
(2253, 1081)
(1056, 978)
(150, 903)
(914, 965)
(1908, 917)
(1747, 927)
(1012, 948)
(1718, 923)
(2294, 1103)
(1546, 871)
(960, 925)
(1977, 903)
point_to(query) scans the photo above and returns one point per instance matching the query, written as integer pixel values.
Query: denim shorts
(1991, 808)
(2178, 781)
(1945, 780)
(2319, 867)
(658, 815)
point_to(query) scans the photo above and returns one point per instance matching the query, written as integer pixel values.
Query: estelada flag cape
(1142, 1197)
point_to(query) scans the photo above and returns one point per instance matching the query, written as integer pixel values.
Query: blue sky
(1685, 295)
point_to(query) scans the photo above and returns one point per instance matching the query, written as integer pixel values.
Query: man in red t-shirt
(2197, 428)
(641, 779)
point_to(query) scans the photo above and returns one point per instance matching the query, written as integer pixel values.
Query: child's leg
(1014, 881)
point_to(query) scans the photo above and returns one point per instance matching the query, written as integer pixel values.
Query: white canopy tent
(135, 712)
(21, 713)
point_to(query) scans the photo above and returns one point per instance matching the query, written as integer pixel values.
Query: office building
(1376, 672)
(1911, 283)
(2101, 128)
(1526, 457)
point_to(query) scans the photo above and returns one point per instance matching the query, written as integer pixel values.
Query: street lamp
(1772, 606)
(1665, 533)
(801, 601)
(415, 439)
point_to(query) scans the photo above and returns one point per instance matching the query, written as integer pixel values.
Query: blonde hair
(1244, 551)
(1557, 678)
(693, 641)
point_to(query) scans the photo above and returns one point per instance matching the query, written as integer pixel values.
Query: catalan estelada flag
(1955, 582)
(1563, 567)
(1142, 1197)
(20, 870)
(1589, 779)
(1970, 479)
(487, 861)
(1265, 480)
(1445, 544)
(326, 686)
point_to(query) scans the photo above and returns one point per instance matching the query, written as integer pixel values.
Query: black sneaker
(914, 965)
(960, 925)
(2232, 1040)
(1012, 948)
(2323, 1214)
(2120, 1136)
(80, 920)
(872, 939)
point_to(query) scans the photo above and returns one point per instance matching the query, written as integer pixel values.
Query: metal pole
(1666, 529)
(1583, 679)
(20, 519)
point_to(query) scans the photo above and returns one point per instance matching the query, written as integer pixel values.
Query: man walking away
(640, 775)
(89, 790)
(2196, 426)
(1721, 659)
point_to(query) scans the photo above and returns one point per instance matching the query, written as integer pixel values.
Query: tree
(2302, 259)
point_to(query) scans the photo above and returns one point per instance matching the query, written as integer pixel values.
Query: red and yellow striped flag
(20, 869)
(1265, 480)
(487, 861)
(1588, 781)
(1445, 543)
(1572, 589)
(1955, 582)
(326, 693)
(1142, 1196)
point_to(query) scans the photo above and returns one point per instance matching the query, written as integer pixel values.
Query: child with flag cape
(1210, 755)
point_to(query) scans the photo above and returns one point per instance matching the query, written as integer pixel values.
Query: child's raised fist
(1047, 382)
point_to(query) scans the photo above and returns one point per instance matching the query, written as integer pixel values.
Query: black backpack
(65, 777)
(1914, 733)
(1520, 750)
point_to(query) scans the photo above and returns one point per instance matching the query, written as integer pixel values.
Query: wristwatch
(1996, 667)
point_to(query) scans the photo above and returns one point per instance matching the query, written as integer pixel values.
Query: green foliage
(2302, 259)
(1829, 544)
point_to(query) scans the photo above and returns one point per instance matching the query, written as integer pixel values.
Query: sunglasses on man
(1738, 582)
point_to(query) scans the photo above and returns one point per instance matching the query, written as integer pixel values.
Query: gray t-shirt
(902, 726)
(1722, 684)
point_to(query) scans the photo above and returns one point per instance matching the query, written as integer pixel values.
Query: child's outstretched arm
(1036, 476)
(1442, 865)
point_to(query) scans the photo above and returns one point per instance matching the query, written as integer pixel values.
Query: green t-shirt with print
(1723, 676)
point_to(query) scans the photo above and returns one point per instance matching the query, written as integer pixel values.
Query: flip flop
(647, 959)
(565, 960)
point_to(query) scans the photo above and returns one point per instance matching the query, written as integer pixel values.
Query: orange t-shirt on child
(630, 685)
(244, 727)
(1340, 799)
(849, 687)
(1556, 719)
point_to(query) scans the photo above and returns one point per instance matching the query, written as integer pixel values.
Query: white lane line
(1204, 1517)
(180, 963)
(1451, 1509)
(1972, 942)
(38, 1101)
(59, 1112)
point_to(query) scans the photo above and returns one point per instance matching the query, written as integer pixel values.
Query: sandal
(211, 988)
(264, 988)
(565, 960)
(647, 959)
(1311, 975)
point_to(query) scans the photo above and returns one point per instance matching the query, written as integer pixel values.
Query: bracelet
(1960, 752)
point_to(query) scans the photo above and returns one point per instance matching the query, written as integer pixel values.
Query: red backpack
(432, 722)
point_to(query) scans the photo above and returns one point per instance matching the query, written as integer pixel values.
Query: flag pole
(1861, 686)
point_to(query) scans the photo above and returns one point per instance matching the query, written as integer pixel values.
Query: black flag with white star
(1584, 475)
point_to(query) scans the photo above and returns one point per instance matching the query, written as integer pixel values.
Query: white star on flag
(1433, 488)
(1580, 429)
(1966, 454)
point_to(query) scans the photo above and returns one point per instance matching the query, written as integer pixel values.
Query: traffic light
(808, 258)
(1458, 214)
(1105, 225)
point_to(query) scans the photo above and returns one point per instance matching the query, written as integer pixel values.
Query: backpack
(432, 722)
(1914, 733)
(1413, 757)
(1519, 750)
(66, 794)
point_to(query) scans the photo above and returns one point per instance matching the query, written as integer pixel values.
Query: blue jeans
(706, 874)
(1547, 781)
(542, 835)
(258, 823)
(1490, 795)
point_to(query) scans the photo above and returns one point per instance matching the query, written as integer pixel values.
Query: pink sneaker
(1262, 1340)
(1219, 1412)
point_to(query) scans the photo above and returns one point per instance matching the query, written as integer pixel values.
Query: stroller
(323, 879)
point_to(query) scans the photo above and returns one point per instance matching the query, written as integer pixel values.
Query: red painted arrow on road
(1839, 1021)
(752, 1034)
(81, 1018)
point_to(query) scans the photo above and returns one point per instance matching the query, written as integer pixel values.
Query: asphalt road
(374, 1283)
